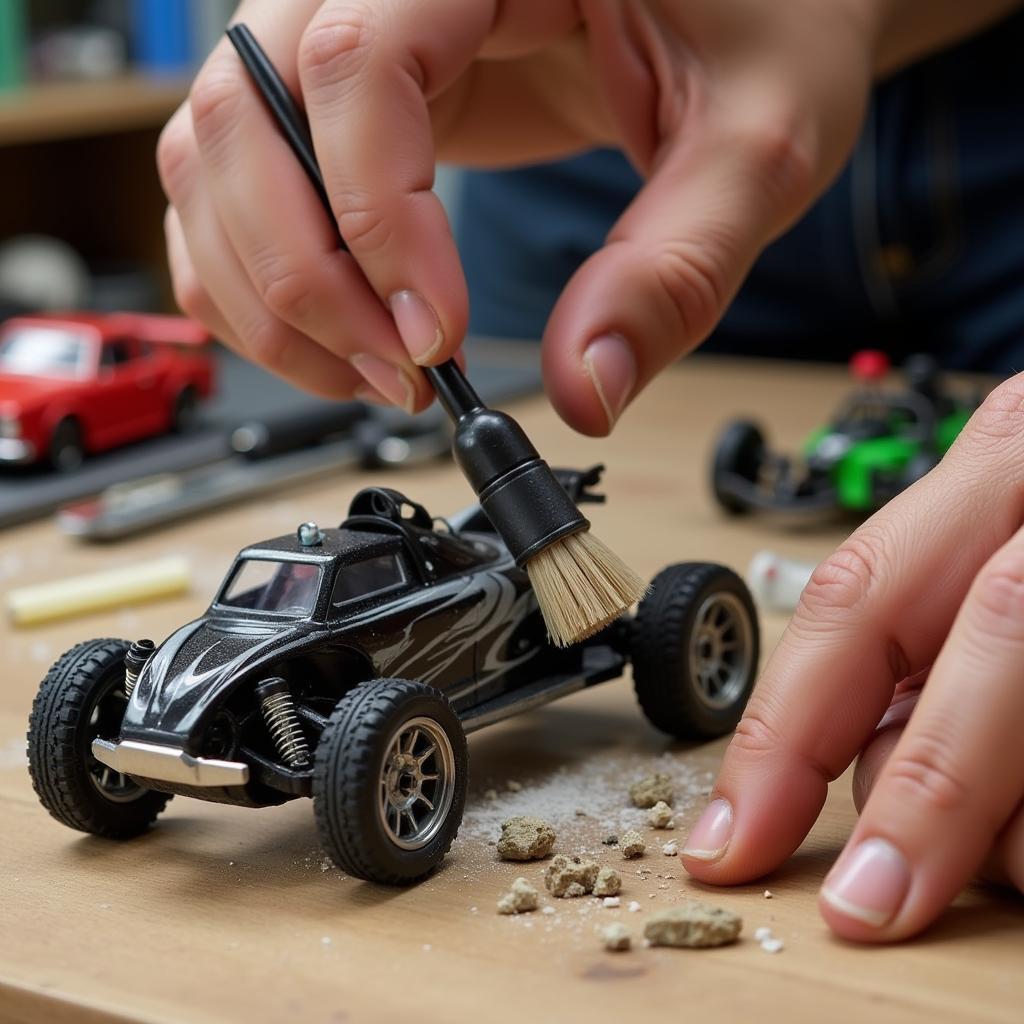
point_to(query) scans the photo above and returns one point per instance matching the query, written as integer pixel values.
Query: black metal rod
(448, 380)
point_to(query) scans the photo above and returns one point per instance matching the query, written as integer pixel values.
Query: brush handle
(453, 389)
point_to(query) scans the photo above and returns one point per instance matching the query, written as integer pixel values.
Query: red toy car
(80, 383)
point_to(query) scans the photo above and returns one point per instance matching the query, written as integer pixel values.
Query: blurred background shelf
(52, 112)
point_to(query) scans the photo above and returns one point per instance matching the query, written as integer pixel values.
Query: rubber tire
(661, 637)
(66, 452)
(57, 745)
(739, 451)
(185, 411)
(346, 770)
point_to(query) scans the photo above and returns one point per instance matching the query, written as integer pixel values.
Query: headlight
(9, 427)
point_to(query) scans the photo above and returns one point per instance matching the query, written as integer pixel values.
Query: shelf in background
(67, 110)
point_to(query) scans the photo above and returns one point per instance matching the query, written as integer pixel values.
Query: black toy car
(348, 665)
(878, 443)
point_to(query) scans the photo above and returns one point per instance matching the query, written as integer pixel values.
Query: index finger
(875, 612)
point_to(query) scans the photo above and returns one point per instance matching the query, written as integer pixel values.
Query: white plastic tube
(130, 584)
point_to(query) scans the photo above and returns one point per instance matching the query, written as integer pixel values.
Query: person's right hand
(738, 112)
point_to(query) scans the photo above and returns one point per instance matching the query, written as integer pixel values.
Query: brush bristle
(581, 586)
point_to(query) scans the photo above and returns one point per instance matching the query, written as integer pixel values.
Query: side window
(361, 579)
(115, 353)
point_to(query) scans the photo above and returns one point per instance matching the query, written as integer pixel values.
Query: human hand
(906, 649)
(737, 112)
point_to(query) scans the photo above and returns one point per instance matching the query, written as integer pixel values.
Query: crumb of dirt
(326, 864)
(608, 883)
(612, 840)
(580, 813)
(616, 937)
(633, 907)
(513, 786)
(773, 945)
(762, 933)
(564, 875)
(660, 816)
(653, 789)
(520, 899)
(525, 838)
(490, 794)
(548, 910)
(768, 894)
(611, 902)
(670, 849)
(632, 844)
(473, 910)
(693, 926)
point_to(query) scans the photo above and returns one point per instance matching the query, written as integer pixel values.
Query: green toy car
(878, 444)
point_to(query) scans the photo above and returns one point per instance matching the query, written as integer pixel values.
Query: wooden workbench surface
(231, 914)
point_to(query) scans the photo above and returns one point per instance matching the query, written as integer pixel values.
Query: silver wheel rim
(720, 650)
(417, 783)
(112, 785)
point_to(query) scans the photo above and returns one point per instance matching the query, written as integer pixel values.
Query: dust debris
(653, 789)
(768, 940)
(616, 937)
(513, 786)
(660, 816)
(632, 844)
(548, 910)
(520, 899)
(768, 894)
(612, 840)
(491, 794)
(693, 926)
(565, 875)
(326, 864)
(608, 882)
(670, 849)
(633, 907)
(325, 941)
(580, 813)
(611, 902)
(525, 838)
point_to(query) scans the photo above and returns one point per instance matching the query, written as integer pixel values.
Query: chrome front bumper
(168, 764)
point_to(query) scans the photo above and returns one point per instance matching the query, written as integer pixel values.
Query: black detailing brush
(580, 584)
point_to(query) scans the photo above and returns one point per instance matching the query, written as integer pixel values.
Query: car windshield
(44, 352)
(266, 585)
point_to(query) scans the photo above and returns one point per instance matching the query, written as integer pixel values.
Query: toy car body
(81, 383)
(877, 445)
(348, 664)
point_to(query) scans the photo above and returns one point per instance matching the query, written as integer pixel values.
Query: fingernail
(869, 883)
(391, 381)
(709, 838)
(418, 325)
(611, 367)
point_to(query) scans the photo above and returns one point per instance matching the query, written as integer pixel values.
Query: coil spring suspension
(134, 660)
(278, 707)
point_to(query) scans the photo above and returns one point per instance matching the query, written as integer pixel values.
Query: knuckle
(190, 296)
(338, 43)
(362, 223)
(695, 283)
(284, 288)
(755, 735)
(215, 101)
(1000, 416)
(843, 580)
(176, 157)
(998, 593)
(272, 346)
(778, 160)
(924, 773)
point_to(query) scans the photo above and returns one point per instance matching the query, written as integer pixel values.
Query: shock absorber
(135, 658)
(278, 707)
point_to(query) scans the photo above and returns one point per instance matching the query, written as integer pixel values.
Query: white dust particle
(326, 940)
(427, 947)
(548, 910)
(633, 906)
(612, 901)
(768, 894)
(772, 945)
(670, 849)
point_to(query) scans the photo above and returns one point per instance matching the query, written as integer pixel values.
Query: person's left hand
(907, 649)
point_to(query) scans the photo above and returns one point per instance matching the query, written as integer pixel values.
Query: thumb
(670, 267)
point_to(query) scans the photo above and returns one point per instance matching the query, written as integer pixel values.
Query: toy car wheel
(389, 781)
(82, 698)
(695, 650)
(67, 448)
(739, 452)
(185, 414)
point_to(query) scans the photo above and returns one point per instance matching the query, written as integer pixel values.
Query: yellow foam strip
(79, 595)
